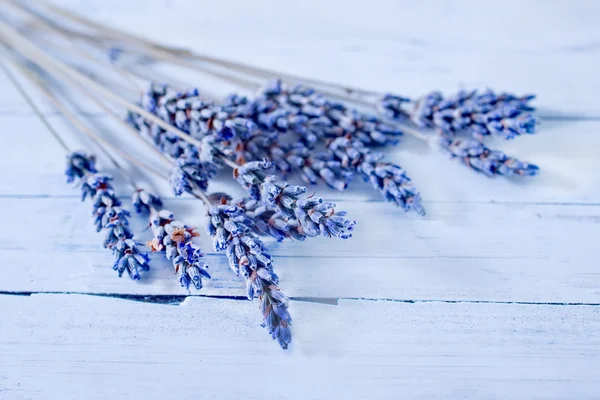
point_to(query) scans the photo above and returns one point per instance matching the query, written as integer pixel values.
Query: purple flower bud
(129, 258)
(175, 239)
(143, 201)
(107, 213)
(79, 165)
(480, 114)
(482, 159)
(389, 179)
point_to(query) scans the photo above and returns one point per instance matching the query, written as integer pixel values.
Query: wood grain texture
(69, 346)
(488, 252)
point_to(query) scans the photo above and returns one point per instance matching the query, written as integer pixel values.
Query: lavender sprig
(310, 113)
(293, 158)
(340, 125)
(481, 114)
(129, 258)
(174, 239)
(108, 214)
(262, 220)
(248, 256)
(267, 222)
(143, 201)
(193, 167)
(482, 159)
(389, 179)
(315, 216)
(288, 158)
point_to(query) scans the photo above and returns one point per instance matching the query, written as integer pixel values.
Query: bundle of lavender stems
(294, 126)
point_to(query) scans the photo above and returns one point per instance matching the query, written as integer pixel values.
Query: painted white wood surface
(487, 252)
(490, 245)
(70, 346)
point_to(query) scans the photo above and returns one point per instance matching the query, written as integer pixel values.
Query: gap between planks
(179, 299)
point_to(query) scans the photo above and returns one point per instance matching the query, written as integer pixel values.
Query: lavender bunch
(315, 216)
(144, 202)
(343, 130)
(482, 159)
(389, 179)
(268, 222)
(311, 114)
(322, 165)
(480, 114)
(193, 167)
(108, 214)
(265, 143)
(174, 239)
(294, 158)
(231, 231)
(280, 109)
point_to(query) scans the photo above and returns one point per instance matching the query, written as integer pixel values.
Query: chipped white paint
(491, 245)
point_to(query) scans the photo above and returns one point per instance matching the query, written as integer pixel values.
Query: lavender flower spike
(268, 222)
(261, 220)
(175, 239)
(480, 114)
(108, 214)
(314, 215)
(389, 179)
(79, 165)
(248, 256)
(144, 201)
(130, 258)
(482, 159)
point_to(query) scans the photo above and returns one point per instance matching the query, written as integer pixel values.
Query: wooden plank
(386, 56)
(497, 252)
(69, 346)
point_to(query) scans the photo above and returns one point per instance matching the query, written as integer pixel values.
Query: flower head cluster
(194, 167)
(79, 165)
(143, 201)
(291, 158)
(482, 159)
(481, 114)
(175, 239)
(108, 214)
(315, 216)
(312, 116)
(268, 222)
(190, 173)
(129, 258)
(231, 231)
(389, 179)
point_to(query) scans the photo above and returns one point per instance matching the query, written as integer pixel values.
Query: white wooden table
(495, 294)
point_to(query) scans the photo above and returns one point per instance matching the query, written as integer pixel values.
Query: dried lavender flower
(267, 222)
(314, 215)
(312, 166)
(481, 114)
(389, 179)
(312, 116)
(249, 257)
(143, 201)
(108, 214)
(175, 239)
(190, 173)
(482, 159)
(79, 165)
(129, 258)
(210, 123)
